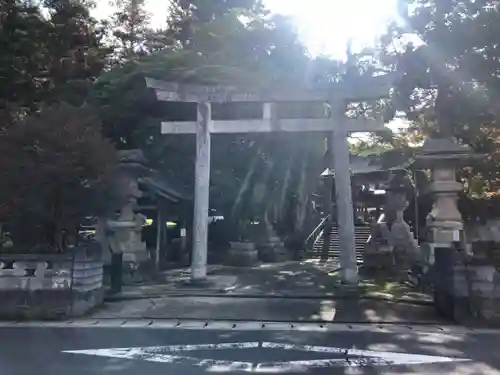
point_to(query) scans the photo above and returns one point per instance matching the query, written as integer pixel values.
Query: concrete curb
(423, 323)
(235, 325)
(356, 296)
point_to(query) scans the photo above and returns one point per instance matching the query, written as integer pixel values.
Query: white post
(201, 194)
(159, 229)
(345, 217)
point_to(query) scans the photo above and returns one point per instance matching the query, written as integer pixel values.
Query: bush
(56, 169)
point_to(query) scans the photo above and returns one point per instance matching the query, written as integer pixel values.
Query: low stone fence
(467, 287)
(476, 294)
(487, 252)
(50, 286)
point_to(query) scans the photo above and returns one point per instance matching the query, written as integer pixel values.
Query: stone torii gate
(337, 96)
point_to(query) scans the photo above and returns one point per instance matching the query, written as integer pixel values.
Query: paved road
(197, 347)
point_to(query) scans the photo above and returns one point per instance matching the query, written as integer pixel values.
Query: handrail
(316, 230)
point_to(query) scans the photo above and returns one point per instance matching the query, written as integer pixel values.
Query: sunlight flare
(325, 26)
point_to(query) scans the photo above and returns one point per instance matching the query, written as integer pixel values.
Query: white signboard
(344, 357)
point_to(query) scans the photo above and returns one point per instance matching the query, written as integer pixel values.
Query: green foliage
(55, 164)
(450, 79)
(51, 51)
(22, 31)
(130, 29)
(188, 19)
(75, 50)
(56, 170)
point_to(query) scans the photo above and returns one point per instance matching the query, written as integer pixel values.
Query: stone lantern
(444, 250)
(125, 232)
(404, 245)
(444, 223)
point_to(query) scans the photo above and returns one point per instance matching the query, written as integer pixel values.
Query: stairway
(362, 233)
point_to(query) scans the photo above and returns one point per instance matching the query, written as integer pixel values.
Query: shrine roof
(164, 187)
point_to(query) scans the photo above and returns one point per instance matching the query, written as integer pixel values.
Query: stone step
(361, 236)
(359, 252)
(363, 233)
(358, 246)
(337, 242)
(359, 258)
(337, 239)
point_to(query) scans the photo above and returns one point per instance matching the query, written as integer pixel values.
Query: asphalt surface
(96, 350)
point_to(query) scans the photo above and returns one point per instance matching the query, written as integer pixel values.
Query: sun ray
(325, 26)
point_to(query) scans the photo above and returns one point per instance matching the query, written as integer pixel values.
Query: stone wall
(476, 231)
(466, 287)
(50, 286)
(482, 242)
(477, 293)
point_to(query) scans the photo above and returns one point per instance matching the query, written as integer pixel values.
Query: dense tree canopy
(129, 26)
(447, 54)
(56, 170)
(446, 51)
(56, 166)
(51, 51)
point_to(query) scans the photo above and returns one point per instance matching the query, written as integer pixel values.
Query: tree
(22, 31)
(187, 18)
(56, 170)
(450, 79)
(75, 50)
(130, 25)
(51, 51)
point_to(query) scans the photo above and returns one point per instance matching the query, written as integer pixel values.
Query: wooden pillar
(201, 194)
(156, 253)
(164, 247)
(345, 216)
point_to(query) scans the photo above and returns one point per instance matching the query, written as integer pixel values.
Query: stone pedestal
(378, 257)
(270, 246)
(243, 254)
(273, 250)
(125, 238)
